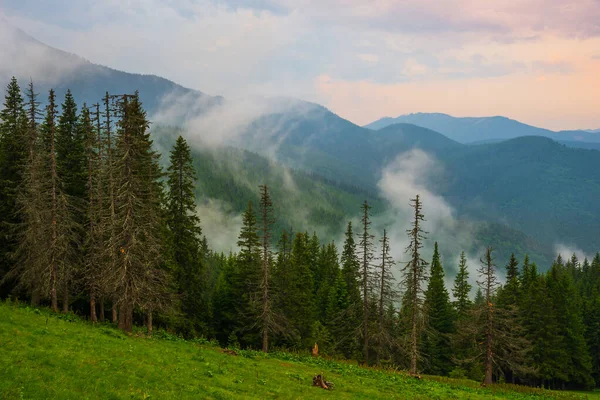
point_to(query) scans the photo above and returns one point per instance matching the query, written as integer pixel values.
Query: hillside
(229, 177)
(475, 129)
(535, 184)
(100, 362)
(57, 69)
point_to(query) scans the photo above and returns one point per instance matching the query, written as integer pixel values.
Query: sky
(537, 61)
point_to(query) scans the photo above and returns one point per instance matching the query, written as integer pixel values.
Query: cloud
(567, 251)
(413, 68)
(257, 123)
(282, 47)
(369, 58)
(220, 225)
(26, 58)
(412, 173)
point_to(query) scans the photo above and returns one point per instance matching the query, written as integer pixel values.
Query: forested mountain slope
(309, 201)
(27, 58)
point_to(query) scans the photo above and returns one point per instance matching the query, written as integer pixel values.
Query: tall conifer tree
(413, 281)
(185, 231)
(440, 320)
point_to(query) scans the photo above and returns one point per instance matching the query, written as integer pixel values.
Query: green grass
(45, 356)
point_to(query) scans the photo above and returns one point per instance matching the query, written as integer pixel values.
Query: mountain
(533, 184)
(229, 177)
(477, 129)
(556, 185)
(52, 68)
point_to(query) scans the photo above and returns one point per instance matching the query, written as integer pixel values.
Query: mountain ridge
(50, 67)
(475, 129)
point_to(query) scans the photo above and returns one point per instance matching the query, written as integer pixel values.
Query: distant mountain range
(514, 177)
(477, 129)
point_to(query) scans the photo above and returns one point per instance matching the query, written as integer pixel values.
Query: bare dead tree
(387, 294)
(414, 280)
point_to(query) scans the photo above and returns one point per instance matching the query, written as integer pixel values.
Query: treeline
(91, 224)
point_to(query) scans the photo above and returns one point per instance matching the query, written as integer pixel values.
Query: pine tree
(440, 320)
(462, 289)
(414, 278)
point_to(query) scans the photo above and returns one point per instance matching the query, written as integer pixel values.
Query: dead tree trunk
(114, 312)
(101, 301)
(93, 316)
(65, 300)
(149, 323)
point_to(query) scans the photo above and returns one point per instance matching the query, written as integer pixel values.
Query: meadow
(50, 356)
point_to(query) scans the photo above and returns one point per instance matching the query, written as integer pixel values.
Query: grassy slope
(47, 356)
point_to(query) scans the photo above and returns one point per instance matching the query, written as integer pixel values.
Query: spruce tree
(566, 302)
(30, 270)
(366, 274)
(299, 307)
(247, 282)
(13, 148)
(185, 231)
(504, 345)
(488, 284)
(71, 171)
(137, 278)
(92, 236)
(462, 289)
(387, 296)
(60, 221)
(440, 320)
(509, 293)
(267, 320)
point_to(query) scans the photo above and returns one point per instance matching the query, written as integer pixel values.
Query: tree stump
(320, 381)
(315, 351)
